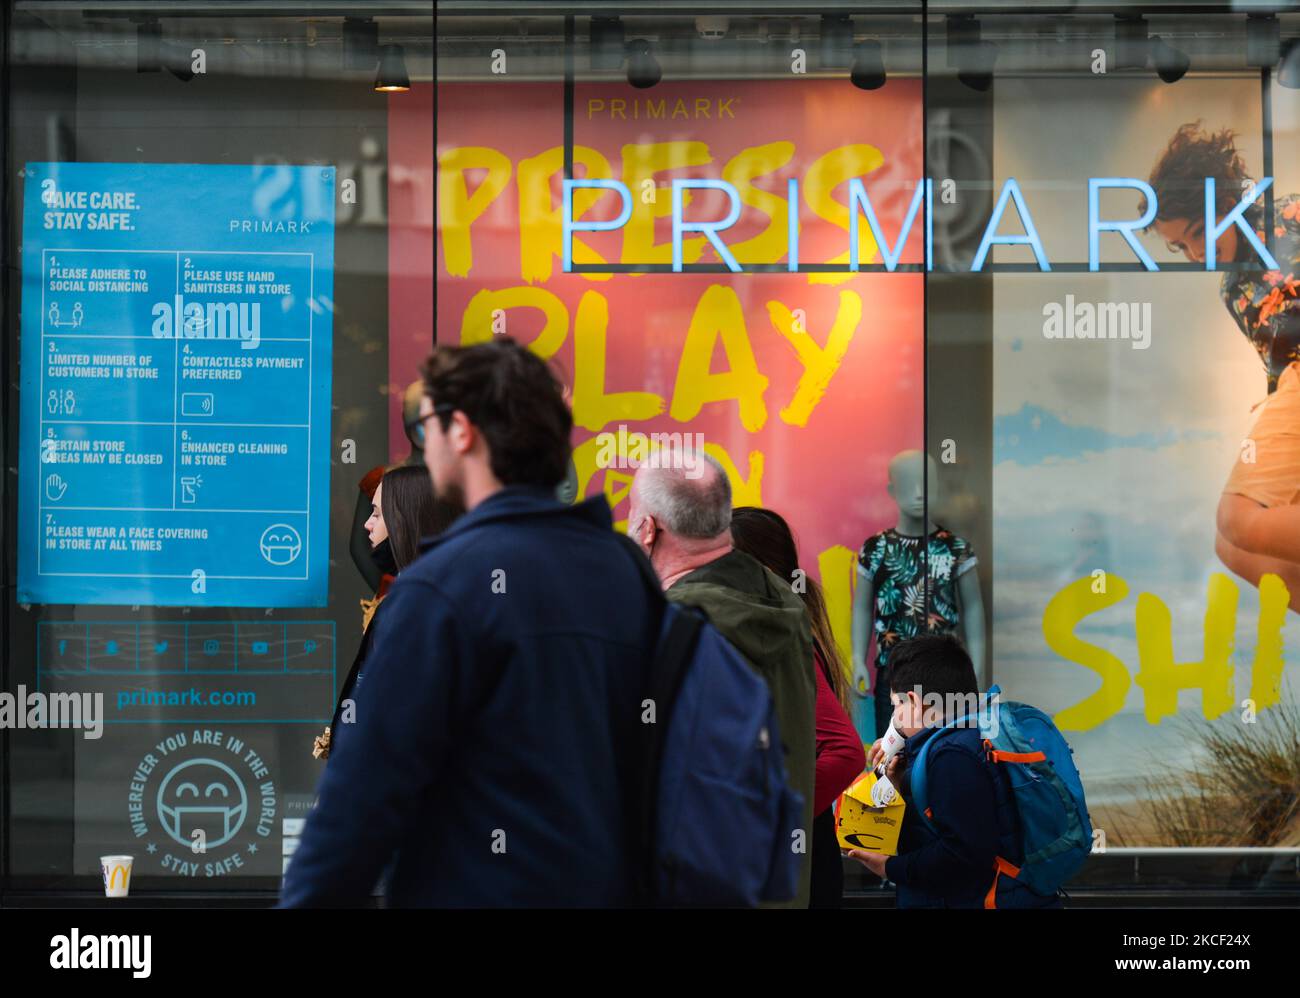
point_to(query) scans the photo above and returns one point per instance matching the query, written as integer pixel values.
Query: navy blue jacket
(975, 818)
(496, 728)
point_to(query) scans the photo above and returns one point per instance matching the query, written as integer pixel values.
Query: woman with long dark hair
(766, 536)
(403, 511)
(1258, 520)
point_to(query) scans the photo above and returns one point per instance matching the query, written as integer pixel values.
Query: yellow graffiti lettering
(1266, 670)
(819, 364)
(836, 566)
(642, 162)
(593, 407)
(457, 208)
(476, 323)
(719, 314)
(1063, 613)
(541, 230)
(768, 246)
(744, 491)
(828, 172)
(1161, 678)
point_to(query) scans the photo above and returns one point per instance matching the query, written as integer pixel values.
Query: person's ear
(461, 433)
(649, 529)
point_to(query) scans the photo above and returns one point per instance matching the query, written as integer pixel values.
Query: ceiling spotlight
(178, 60)
(963, 33)
(1171, 63)
(712, 27)
(977, 69)
(360, 43)
(868, 72)
(642, 67)
(392, 77)
(836, 41)
(969, 54)
(148, 46)
(1132, 42)
(605, 35)
(1263, 40)
(1288, 73)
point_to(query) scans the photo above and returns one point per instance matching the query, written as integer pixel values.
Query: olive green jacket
(766, 622)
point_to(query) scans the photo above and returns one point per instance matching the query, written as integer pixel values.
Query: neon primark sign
(860, 205)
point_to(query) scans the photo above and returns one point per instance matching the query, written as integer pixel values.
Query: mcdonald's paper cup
(891, 742)
(117, 875)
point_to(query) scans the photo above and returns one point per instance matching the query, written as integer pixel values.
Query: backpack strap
(672, 654)
(1000, 868)
(917, 778)
(1026, 757)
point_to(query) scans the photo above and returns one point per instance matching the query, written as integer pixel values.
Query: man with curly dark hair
(492, 759)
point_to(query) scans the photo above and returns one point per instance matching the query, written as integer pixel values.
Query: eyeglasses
(415, 427)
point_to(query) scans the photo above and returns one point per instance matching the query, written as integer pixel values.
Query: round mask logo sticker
(204, 802)
(202, 795)
(280, 544)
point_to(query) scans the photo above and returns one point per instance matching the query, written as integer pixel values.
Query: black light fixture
(1263, 40)
(1132, 42)
(178, 60)
(978, 73)
(836, 41)
(148, 46)
(605, 35)
(868, 72)
(392, 77)
(963, 33)
(969, 54)
(643, 68)
(1171, 63)
(360, 43)
(1288, 73)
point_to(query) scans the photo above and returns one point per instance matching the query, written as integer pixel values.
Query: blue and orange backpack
(1055, 830)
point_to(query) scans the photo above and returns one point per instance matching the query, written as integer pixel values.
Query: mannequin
(359, 546)
(888, 601)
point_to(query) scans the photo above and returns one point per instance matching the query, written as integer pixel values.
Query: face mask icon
(202, 794)
(280, 544)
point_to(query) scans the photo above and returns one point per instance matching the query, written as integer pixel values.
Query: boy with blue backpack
(995, 813)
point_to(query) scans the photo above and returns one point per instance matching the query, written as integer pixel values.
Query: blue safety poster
(176, 340)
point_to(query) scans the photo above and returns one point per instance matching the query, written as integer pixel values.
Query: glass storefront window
(819, 241)
(218, 255)
(1063, 461)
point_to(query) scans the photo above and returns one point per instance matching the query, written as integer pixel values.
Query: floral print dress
(1266, 305)
(901, 576)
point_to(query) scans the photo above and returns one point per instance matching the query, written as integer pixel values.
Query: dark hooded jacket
(498, 720)
(766, 622)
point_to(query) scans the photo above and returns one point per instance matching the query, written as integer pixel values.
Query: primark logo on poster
(90, 952)
(272, 225)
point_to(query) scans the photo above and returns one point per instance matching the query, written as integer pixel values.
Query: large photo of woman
(1258, 520)
(1159, 476)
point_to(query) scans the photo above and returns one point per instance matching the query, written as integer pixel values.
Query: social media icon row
(196, 647)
